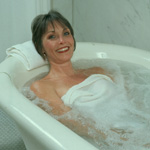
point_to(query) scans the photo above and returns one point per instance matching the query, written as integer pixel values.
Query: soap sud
(136, 81)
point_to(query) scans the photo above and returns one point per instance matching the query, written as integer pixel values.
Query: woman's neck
(61, 70)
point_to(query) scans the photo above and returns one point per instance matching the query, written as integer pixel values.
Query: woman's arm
(82, 127)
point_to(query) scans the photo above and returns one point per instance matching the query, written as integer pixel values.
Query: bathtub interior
(13, 76)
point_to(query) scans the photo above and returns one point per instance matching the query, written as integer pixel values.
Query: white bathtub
(39, 130)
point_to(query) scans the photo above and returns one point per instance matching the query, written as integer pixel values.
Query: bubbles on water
(119, 135)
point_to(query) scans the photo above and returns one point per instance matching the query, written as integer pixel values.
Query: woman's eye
(66, 33)
(51, 37)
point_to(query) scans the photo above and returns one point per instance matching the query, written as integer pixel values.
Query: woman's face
(58, 44)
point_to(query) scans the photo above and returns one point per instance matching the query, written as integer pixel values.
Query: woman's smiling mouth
(63, 50)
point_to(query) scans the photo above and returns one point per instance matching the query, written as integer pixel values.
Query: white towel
(94, 96)
(95, 87)
(27, 54)
(100, 99)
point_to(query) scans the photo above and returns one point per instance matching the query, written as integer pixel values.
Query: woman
(54, 40)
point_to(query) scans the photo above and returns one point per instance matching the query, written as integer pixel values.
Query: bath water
(110, 131)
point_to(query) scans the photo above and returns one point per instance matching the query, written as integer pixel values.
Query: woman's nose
(61, 40)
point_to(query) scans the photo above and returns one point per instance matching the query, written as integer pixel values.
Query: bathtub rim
(105, 51)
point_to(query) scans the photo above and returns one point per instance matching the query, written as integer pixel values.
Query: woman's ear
(44, 54)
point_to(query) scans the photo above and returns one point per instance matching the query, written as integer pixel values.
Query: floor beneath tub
(10, 138)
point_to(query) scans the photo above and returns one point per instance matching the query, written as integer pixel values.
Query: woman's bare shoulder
(93, 70)
(96, 70)
(35, 85)
(41, 88)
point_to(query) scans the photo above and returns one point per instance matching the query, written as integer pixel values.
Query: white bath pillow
(27, 54)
